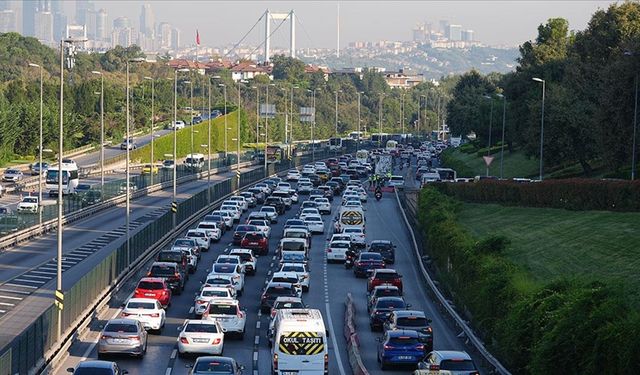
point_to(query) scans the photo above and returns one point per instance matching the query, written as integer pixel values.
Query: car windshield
(213, 367)
(196, 234)
(121, 327)
(283, 279)
(214, 293)
(353, 230)
(150, 285)
(403, 340)
(370, 257)
(293, 257)
(253, 236)
(288, 305)
(222, 309)
(258, 223)
(183, 243)
(292, 246)
(340, 245)
(313, 219)
(163, 271)
(227, 260)
(386, 275)
(201, 328)
(295, 235)
(412, 321)
(390, 303)
(292, 269)
(279, 291)
(268, 209)
(217, 281)
(457, 365)
(141, 305)
(246, 228)
(30, 200)
(245, 257)
(93, 371)
(170, 257)
(223, 268)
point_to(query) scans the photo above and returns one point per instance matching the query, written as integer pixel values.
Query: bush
(483, 151)
(571, 194)
(468, 148)
(563, 327)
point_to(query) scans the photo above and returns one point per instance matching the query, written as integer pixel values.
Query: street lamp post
(190, 83)
(224, 86)
(490, 129)
(266, 129)
(541, 124)
(504, 122)
(336, 121)
(60, 153)
(40, 143)
(209, 143)
(101, 129)
(238, 136)
(257, 114)
(153, 93)
(359, 105)
(380, 120)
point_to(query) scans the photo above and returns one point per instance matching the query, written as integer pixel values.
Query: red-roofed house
(249, 70)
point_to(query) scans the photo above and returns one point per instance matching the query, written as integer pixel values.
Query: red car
(385, 276)
(154, 287)
(256, 241)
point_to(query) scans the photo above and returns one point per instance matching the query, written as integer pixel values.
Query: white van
(350, 217)
(194, 161)
(300, 343)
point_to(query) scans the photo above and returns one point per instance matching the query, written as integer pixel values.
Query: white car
(28, 205)
(353, 203)
(302, 270)
(211, 229)
(308, 169)
(228, 313)
(396, 181)
(234, 270)
(357, 236)
(208, 293)
(177, 125)
(304, 180)
(298, 233)
(356, 191)
(192, 257)
(305, 187)
(219, 280)
(315, 223)
(288, 277)
(324, 206)
(248, 260)
(308, 212)
(264, 187)
(284, 186)
(337, 251)
(201, 237)
(230, 259)
(242, 200)
(262, 225)
(237, 204)
(227, 215)
(341, 237)
(293, 175)
(233, 210)
(147, 311)
(320, 164)
(201, 336)
(271, 212)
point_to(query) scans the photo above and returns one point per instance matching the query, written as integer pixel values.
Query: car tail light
(105, 337)
(240, 314)
(184, 340)
(434, 367)
(328, 250)
(154, 315)
(429, 329)
(200, 302)
(275, 362)
(135, 338)
(474, 373)
(420, 347)
(388, 347)
(124, 314)
(177, 275)
(326, 363)
(217, 341)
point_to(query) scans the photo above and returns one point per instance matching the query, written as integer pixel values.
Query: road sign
(488, 160)
(174, 207)
(59, 302)
(307, 114)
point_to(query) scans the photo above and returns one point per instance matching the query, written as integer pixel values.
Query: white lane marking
(29, 281)
(20, 286)
(37, 276)
(93, 344)
(6, 304)
(15, 291)
(257, 324)
(174, 353)
(191, 310)
(256, 341)
(52, 272)
(168, 371)
(18, 298)
(255, 356)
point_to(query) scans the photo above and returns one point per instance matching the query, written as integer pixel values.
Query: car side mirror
(123, 305)
(70, 369)
(124, 372)
(379, 339)
(188, 365)
(179, 328)
(408, 305)
(241, 367)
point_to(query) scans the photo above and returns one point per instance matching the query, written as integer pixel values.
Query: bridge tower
(268, 17)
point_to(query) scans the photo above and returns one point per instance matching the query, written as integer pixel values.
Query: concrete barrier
(353, 343)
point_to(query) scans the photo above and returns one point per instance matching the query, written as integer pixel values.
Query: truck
(383, 165)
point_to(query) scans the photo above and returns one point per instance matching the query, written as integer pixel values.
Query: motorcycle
(348, 262)
(378, 195)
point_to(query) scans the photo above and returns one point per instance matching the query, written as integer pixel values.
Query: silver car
(123, 336)
(12, 175)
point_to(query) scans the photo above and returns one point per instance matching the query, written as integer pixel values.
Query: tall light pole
(313, 125)
(190, 83)
(490, 128)
(504, 122)
(291, 107)
(402, 114)
(257, 88)
(541, 124)
(60, 153)
(153, 93)
(209, 143)
(266, 130)
(635, 128)
(380, 119)
(101, 129)
(224, 86)
(359, 106)
(40, 143)
(336, 120)
(238, 135)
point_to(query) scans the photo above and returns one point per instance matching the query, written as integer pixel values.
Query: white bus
(362, 156)
(300, 343)
(392, 145)
(195, 161)
(335, 144)
(70, 178)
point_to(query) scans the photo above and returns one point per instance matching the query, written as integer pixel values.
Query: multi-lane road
(330, 284)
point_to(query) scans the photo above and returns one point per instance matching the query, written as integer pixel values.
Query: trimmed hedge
(572, 194)
(563, 327)
(483, 151)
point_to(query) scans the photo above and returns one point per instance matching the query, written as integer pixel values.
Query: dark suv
(178, 257)
(171, 272)
(415, 321)
(384, 248)
(276, 202)
(273, 291)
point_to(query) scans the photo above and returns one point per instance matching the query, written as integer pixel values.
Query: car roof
(164, 264)
(452, 354)
(385, 286)
(199, 321)
(150, 300)
(278, 284)
(153, 279)
(386, 242)
(402, 332)
(122, 321)
(95, 364)
(386, 298)
(406, 313)
(385, 270)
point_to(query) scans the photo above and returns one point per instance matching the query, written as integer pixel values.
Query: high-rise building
(29, 10)
(147, 21)
(467, 35)
(83, 7)
(44, 27)
(122, 33)
(102, 26)
(455, 33)
(175, 38)
(8, 21)
(444, 28)
(164, 35)
(59, 20)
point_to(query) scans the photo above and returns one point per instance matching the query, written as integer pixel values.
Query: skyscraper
(147, 21)
(8, 21)
(59, 20)
(102, 27)
(29, 10)
(467, 35)
(164, 35)
(122, 32)
(82, 8)
(44, 27)
(455, 33)
(175, 38)
(444, 28)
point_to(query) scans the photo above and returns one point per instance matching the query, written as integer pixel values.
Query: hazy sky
(223, 22)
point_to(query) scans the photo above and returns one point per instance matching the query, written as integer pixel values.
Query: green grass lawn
(164, 145)
(516, 164)
(550, 243)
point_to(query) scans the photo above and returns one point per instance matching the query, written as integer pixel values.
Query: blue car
(399, 347)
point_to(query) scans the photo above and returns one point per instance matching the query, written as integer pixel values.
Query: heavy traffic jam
(268, 231)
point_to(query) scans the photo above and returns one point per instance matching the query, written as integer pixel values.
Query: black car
(175, 256)
(337, 189)
(383, 308)
(276, 202)
(217, 219)
(241, 230)
(273, 291)
(415, 321)
(366, 262)
(171, 272)
(315, 179)
(384, 248)
(382, 291)
(259, 194)
(91, 197)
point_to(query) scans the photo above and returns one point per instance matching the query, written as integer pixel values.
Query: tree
(288, 69)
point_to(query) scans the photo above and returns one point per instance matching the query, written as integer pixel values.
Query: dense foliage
(589, 101)
(566, 326)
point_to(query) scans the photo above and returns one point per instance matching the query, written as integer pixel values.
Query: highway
(329, 287)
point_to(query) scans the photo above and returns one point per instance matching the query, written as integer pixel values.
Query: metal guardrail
(473, 339)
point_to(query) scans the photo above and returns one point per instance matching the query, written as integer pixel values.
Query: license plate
(405, 357)
(119, 341)
(149, 294)
(253, 243)
(289, 372)
(201, 340)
